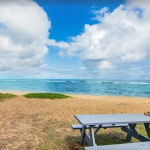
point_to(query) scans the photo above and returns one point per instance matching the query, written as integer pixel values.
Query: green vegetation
(4, 96)
(69, 139)
(46, 95)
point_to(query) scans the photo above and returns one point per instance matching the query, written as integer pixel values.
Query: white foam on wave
(131, 82)
(55, 81)
(10, 80)
(139, 83)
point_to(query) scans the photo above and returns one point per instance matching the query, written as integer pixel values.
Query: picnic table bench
(128, 146)
(105, 126)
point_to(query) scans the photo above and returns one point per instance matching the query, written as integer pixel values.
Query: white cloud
(105, 65)
(133, 57)
(62, 44)
(24, 30)
(119, 39)
(115, 46)
(82, 68)
(100, 13)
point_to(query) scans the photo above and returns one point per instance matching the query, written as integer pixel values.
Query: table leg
(92, 135)
(132, 132)
(97, 129)
(82, 135)
(147, 128)
(132, 127)
(89, 138)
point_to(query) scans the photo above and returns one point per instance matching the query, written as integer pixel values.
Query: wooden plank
(128, 146)
(78, 126)
(98, 119)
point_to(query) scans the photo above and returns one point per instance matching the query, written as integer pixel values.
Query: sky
(64, 39)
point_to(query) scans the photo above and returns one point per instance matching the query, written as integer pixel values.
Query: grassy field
(71, 141)
(45, 124)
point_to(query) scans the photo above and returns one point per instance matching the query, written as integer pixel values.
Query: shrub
(46, 95)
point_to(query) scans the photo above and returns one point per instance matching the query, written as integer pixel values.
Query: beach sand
(44, 123)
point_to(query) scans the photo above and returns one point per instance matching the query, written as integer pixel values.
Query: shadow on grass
(73, 143)
(107, 138)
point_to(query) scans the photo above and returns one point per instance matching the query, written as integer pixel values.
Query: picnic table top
(98, 119)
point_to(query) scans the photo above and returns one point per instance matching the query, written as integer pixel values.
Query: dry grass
(46, 124)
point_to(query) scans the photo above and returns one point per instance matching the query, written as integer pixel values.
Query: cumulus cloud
(121, 38)
(24, 30)
(118, 44)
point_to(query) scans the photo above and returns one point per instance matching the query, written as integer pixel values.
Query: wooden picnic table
(99, 120)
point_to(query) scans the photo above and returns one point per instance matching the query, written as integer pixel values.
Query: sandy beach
(31, 123)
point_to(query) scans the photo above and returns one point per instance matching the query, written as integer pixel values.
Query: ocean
(76, 86)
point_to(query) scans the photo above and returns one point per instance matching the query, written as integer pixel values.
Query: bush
(46, 95)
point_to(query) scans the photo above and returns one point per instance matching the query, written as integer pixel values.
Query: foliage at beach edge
(4, 96)
(46, 95)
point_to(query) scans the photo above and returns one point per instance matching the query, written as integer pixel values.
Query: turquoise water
(89, 87)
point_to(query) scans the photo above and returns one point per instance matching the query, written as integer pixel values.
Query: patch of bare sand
(23, 121)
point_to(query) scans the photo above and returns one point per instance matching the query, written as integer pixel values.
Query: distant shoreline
(21, 93)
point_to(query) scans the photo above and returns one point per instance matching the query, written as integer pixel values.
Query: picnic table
(127, 122)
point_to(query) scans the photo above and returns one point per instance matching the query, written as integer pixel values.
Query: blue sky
(68, 18)
(93, 39)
